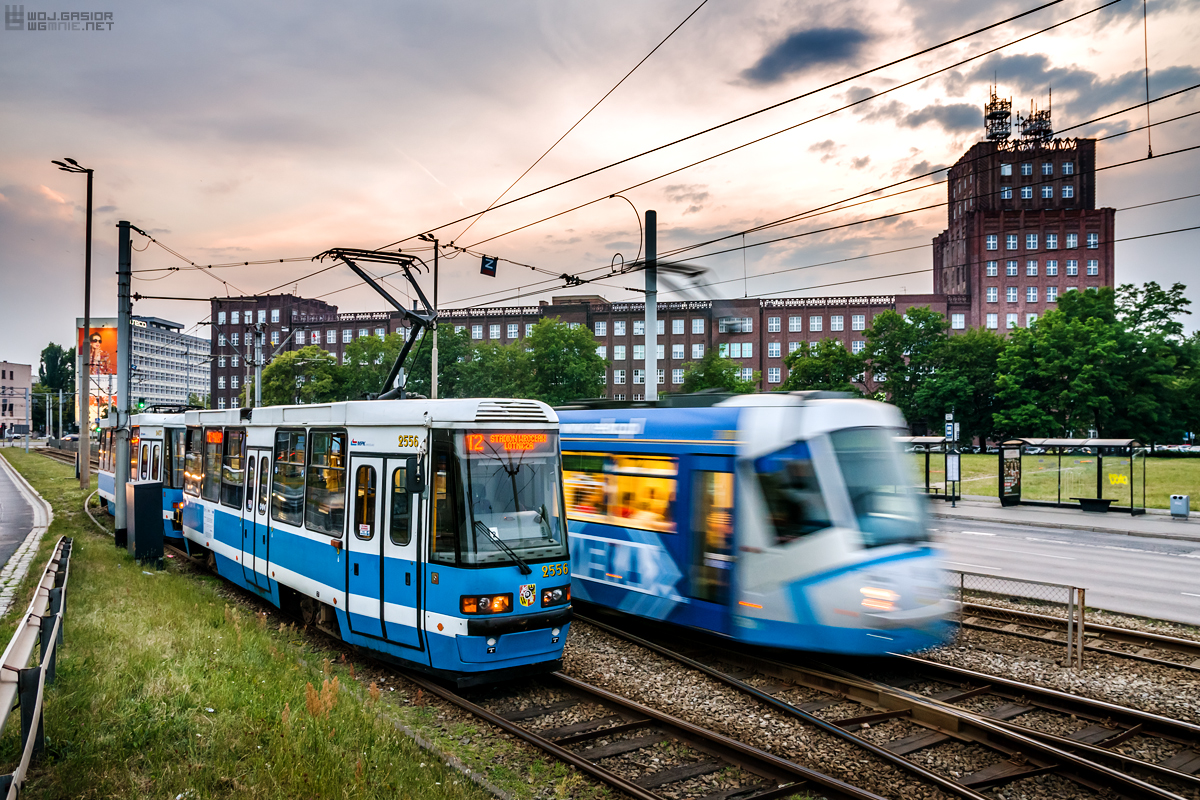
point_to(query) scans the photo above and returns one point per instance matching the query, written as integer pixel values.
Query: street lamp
(83, 380)
(433, 367)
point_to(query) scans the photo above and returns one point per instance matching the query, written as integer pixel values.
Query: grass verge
(172, 684)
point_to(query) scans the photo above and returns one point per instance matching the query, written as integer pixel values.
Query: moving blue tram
(326, 511)
(782, 520)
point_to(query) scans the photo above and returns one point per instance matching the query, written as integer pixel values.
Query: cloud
(804, 50)
(860, 163)
(827, 146)
(956, 118)
(620, 245)
(693, 194)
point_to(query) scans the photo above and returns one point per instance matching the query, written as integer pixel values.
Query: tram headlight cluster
(556, 595)
(878, 599)
(485, 603)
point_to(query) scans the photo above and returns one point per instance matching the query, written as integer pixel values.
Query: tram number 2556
(550, 570)
(409, 441)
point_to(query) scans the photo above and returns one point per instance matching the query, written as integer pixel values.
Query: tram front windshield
(887, 509)
(511, 484)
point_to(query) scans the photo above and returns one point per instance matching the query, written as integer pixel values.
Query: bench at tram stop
(1100, 504)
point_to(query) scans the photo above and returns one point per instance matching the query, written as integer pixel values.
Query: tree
(714, 372)
(963, 381)
(309, 374)
(564, 362)
(900, 353)
(499, 370)
(200, 400)
(454, 351)
(367, 362)
(829, 367)
(57, 369)
(1152, 310)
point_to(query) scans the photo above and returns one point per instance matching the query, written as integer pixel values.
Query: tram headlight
(556, 595)
(485, 603)
(878, 599)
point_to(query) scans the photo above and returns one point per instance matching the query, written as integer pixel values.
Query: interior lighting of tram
(879, 599)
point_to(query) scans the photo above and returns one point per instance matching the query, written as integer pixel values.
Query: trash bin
(1181, 505)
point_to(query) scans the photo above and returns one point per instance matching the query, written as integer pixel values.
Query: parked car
(71, 437)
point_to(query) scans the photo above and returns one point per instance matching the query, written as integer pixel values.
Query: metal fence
(42, 624)
(1057, 599)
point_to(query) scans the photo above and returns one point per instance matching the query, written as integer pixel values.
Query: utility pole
(124, 312)
(28, 418)
(259, 335)
(651, 305)
(60, 399)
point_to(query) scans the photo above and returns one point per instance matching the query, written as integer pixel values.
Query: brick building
(16, 381)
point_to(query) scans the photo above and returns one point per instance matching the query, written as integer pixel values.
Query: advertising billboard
(102, 365)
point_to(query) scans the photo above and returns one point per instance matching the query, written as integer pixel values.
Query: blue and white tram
(325, 511)
(155, 454)
(777, 520)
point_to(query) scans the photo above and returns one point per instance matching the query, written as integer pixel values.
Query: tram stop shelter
(928, 445)
(1089, 474)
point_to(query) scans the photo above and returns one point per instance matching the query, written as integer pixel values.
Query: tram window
(133, 454)
(364, 502)
(447, 503)
(145, 461)
(630, 491)
(176, 455)
(712, 535)
(287, 489)
(263, 483)
(231, 469)
(193, 461)
(325, 483)
(795, 505)
(399, 527)
(887, 511)
(250, 485)
(156, 458)
(210, 484)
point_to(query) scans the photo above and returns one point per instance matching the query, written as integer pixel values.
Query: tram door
(364, 547)
(712, 540)
(254, 517)
(401, 518)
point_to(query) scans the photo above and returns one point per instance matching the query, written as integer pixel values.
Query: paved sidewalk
(1149, 525)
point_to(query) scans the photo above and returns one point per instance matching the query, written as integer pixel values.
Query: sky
(235, 132)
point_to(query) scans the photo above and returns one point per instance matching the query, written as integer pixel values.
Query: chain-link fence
(1013, 595)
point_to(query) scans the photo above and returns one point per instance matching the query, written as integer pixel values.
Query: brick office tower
(1023, 224)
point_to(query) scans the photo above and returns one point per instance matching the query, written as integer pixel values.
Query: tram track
(65, 456)
(905, 727)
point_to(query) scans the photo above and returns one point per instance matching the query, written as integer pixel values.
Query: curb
(1181, 537)
(18, 563)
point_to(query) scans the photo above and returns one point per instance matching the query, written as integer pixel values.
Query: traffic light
(141, 404)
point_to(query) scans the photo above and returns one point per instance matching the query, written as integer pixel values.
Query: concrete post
(124, 351)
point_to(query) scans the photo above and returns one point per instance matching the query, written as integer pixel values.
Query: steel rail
(1111, 633)
(1013, 741)
(737, 753)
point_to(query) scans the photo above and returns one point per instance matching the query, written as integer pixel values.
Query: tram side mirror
(414, 476)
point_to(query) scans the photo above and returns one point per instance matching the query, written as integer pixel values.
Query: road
(16, 517)
(1157, 578)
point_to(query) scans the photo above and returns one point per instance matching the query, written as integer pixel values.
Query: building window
(697, 352)
(815, 323)
(747, 374)
(1011, 321)
(639, 327)
(1010, 269)
(459, 328)
(1093, 267)
(660, 352)
(677, 327)
(958, 321)
(858, 322)
(993, 241)
(1031, 268)
(514, 330)
(1072, 241)
(618, 376)
(857, 346)
(233, 382)
(1011, 294)
(795, 324)
(233, 339)
(676, 376)
(1030, 319)
(220, 317)
(1010, 241)
(493, 332)
(639, 352)
(735, 325)
(662, 376)
(1027, 168)
(618, 397)
(262, 315)
(220, 402)
(677, 352)
(1068, 192)
(993, 321)
(1031, 294)
(235, 318)
(619, 327)
(1072, 267)
(234, 362)
(1047, 192)
(618, 352)
(698, 325)
(220, 340)
(362, 332)
(1093, 241)
(793, 347)
(993, 294)
(1031, 241)
(221, 361)
(476, 331)
(1051, 241)
(837, 323)
(602, 351)
(1051, 294)
(220, 381)
(774, 349)
(772, 324)
(345, 358)
(993, 269)
(1047, 168)
(773, 374)
(274, 315)
(639, 376)
(1068, 168)
(1006, 169)
(381, 332)
(274, 337)
(602, 328)
(1006, 193)
(723, 349)
(1051, 267)
(331, 337)
(1026, 192)
(529, 328)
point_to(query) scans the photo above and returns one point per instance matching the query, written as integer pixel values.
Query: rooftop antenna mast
(997, 116)
(419, 320)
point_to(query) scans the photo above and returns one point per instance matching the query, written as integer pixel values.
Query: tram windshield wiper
(488, 532)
